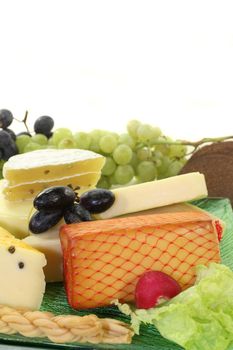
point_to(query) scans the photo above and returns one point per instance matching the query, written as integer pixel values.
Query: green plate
(55, 299)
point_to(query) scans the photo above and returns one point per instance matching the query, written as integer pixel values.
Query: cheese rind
(156, 193)
(21, 273)
(50, 164)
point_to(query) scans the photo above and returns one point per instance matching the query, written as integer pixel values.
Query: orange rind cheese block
(104, 259)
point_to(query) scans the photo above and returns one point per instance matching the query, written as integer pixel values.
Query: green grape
(156, 132)
(177, 151)
(146, 171)
(124, 174)
(174, 168)
(40, 139)
(107, 143)
(60, 134)
(163, 147)
(144, 132)
(51, 141)
(114, 134)
(82, 140)
(144, 153)
(32, 146)
(66, 143)
(132, 128)
(96, 135)
(157, 157)
(112, 180)
(163, 167)
(109, 166)
(94, 147)
(126, 139)
(103, 182)
(134, 161)
(122, 154)
(22, 141)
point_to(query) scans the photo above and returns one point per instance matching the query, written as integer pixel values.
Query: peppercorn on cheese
(25, 191)
(21, 273)
(158, 193)
(50, 164)
(103, 259)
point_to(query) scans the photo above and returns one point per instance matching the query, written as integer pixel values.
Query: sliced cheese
(50, 164)
(21, 273)
(156, 193)
(29, 190)
(14, 216)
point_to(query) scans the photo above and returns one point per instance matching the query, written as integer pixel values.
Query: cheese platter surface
(110, 241)
(55, 299)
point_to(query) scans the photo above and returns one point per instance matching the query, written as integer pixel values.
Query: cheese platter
(99, 251)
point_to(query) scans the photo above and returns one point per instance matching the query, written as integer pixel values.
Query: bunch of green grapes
(140, 154)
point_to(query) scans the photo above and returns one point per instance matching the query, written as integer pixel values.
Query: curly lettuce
(199, 318)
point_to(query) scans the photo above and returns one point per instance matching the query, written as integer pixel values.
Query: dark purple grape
(11, 133)
(98, 200)
(24, 133)
(52, 198)
(7, 145)
(42, 221)
(43, 125)
(76, 213)
(6, 118)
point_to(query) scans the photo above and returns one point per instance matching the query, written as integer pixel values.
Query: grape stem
(194, 144)
(24, 121)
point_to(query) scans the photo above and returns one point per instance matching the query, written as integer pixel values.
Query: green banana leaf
(149, 338)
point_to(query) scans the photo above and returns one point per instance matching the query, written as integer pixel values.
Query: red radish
(154, 287)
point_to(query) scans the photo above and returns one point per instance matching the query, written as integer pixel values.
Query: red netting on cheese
(107, 265)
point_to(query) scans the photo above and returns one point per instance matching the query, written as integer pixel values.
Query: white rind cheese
(158, 193)
(47, 157)
(50, 164)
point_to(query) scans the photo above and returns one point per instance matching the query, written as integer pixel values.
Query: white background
(98, 64)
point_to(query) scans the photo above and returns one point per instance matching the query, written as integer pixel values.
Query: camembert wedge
(50, 164)
(26, 191)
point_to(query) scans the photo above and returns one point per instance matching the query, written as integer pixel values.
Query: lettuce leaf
(199, 318)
